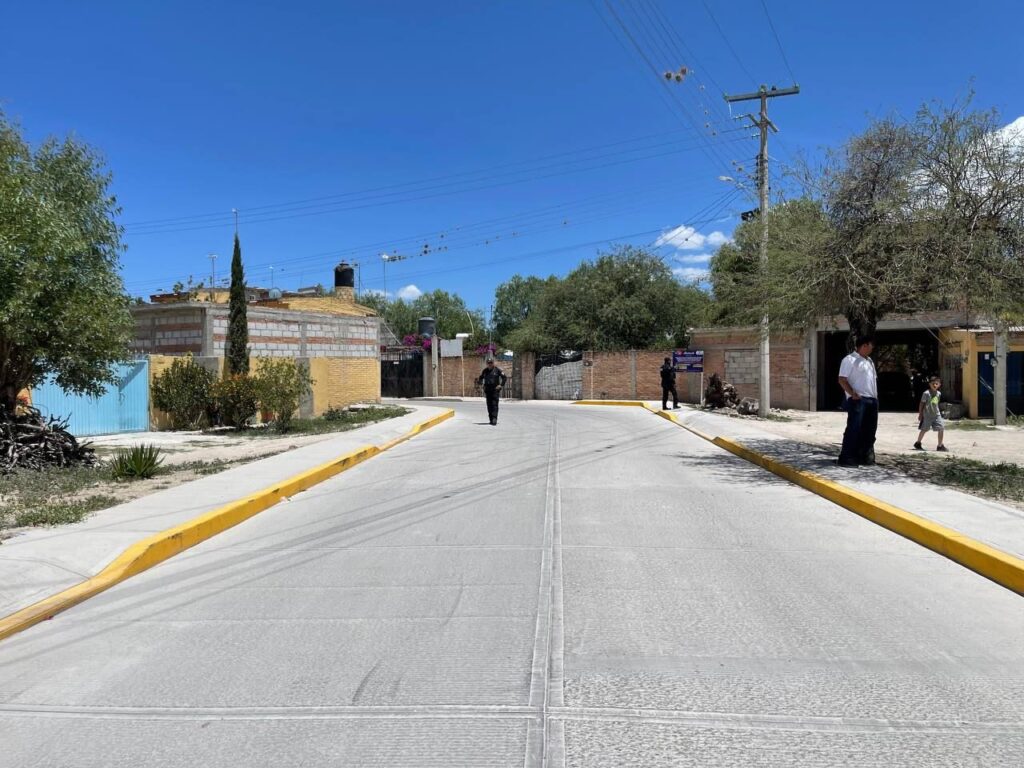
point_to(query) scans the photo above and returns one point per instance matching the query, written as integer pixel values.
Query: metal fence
(123, 407)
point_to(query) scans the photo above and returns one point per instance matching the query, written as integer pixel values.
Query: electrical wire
(729, 45)
(387, 199)
(711, 150)
(778, 42)
(461, 237)
(276, 207)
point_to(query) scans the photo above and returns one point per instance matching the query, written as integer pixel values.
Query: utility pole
(763, 124)
(235, 212)
(213, 274)
(385, 258)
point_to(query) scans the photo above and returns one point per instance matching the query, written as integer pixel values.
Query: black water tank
(344, 276)
(426, 326)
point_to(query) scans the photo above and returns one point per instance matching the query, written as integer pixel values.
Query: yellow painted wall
(968, 344)
(342, 381)
(329, 305)
(337, 382)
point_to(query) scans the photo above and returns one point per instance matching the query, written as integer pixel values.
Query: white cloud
(690, 274)
(409, 293)
(373, 292)
(695, 258)
(686, 238)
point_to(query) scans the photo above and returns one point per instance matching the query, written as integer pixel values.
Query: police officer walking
(668, 384)
(493, 380)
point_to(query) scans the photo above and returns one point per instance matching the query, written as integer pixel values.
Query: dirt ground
(897, 433)
(187, 447)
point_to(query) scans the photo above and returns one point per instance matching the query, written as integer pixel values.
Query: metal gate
(123, 407)
(1014, 384)
(401, 373)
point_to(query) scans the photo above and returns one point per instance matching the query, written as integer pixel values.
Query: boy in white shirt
(859, 380)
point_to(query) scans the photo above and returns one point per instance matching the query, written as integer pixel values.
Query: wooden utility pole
(763, 124)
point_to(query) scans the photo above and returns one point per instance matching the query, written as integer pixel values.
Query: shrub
(281, 384)
(236, 398)
(136, 463)
(334, 413)
(184, 392)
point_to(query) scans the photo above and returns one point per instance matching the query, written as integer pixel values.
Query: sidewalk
(995, 524)
(44, 561)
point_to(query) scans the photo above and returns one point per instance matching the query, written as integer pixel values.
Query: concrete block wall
(173, 330)
(284, 333)
(733, 354)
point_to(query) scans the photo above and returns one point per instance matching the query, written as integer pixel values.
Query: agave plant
(137, 462)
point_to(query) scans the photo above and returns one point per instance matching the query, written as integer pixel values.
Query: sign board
(451, 347)
(688, 360)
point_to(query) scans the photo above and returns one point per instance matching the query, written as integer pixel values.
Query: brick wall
(528, 363)
(342, 303)
(635, 375)
(171, 330)
(339, 382)
(733, 354)
(201, 329)
(457, 376)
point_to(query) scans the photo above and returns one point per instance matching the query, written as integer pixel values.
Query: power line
(276, 207)
(712, 152)
(728, 44)
(440, 192)
(573, 213)
(778, 42)
(686, 54)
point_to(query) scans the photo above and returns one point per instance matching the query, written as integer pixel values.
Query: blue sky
(500, 137)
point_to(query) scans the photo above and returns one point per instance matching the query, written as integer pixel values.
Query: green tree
(451, 315)
(184, 391)
(281, 383)
(626, 299)
(237, 344)
(449, 311)
(515, 300)
(798, 229)
(63, 308)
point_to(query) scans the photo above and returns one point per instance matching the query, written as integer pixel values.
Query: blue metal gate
(123, 407)
(1014, 384)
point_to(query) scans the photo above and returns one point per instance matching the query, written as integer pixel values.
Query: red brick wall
(457, 376)
(737, 349)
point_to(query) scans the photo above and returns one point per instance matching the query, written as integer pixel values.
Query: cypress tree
(237, 345)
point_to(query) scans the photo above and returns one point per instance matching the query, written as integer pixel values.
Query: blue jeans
(861, 425)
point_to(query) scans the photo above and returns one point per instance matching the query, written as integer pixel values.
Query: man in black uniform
(493, 380)
(668, 384)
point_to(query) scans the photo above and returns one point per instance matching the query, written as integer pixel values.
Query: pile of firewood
(720, 394)
(30, 441)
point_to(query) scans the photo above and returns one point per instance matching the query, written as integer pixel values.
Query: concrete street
(577, 586)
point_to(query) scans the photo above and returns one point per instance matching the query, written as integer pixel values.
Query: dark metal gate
(401, 372)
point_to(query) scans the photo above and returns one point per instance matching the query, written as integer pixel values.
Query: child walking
(929, 416)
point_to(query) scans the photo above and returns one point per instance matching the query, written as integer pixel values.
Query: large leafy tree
(449, 311)
(237, 351)
(626, 299)
(798, 231)
(63, 308)
(515, 300)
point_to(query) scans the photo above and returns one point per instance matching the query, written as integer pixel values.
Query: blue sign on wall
(688, 360)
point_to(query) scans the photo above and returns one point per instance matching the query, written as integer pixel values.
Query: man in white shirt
(859, 381)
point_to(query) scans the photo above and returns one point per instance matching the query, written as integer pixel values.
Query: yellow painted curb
(159, 547)
(1001, 567)
(639, 403)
